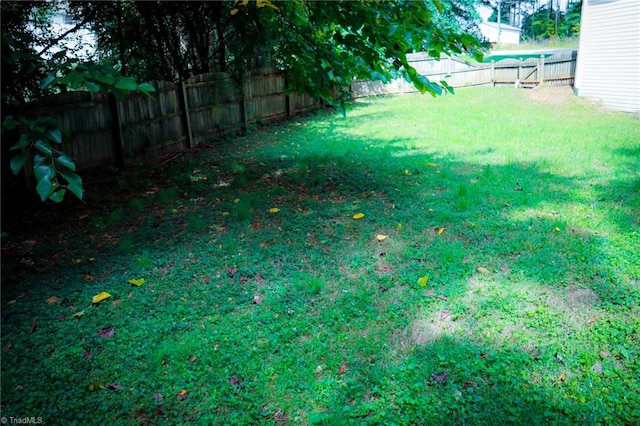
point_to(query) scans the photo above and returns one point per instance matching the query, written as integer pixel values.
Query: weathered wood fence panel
(100, 130)
(558, 69)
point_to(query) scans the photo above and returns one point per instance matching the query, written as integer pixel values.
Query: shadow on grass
(200, 231)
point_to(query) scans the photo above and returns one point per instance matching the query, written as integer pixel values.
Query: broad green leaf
(71, 177)
(9, 123)
(58, 195)
(55, 135)
(17, 162)
(146, 88)
(107, 79)
(66, 162)
(22, 142)
(76, 190)
(44, 172)
(92, 87)
(126, 83)
(43, 147)
(44, 188)
(39, 160)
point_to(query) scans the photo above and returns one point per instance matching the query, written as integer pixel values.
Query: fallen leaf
(430, 164)
(183, 299)
(182, 395)
(274, 210)
(93, 386)
(234, 381)
(52, 300)
(192, 359)
(113, 386)
(422, 281)
(381, 237)
(441, 230)
(440, 378)
(107, 332)
(343, 368)
(399, 227)
(225, 213)
(592, 320)
(236, 200)
(358, 216)
(136, 281)
(78, 314)
(257, 299)
(597, 368)
(77, 261)
(466, 260)
(562, 377)
(407, 172)
(483, 270)
(34, 326)
(605, 354)
(100, 297)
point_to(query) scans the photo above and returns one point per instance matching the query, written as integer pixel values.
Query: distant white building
(608, 68)
(500, 34)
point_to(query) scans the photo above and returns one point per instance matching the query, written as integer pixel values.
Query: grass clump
(493, 278)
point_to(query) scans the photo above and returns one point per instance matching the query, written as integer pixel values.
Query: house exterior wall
(608, 69)
(508, 34)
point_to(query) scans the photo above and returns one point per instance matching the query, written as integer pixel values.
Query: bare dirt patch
(551, 94)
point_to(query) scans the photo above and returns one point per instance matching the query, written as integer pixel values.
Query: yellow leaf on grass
(483, 270)
(52, 300)
(441, 230)
(78, 314)
(101, 296)
(422, 281)
(225, 213)
(274, 210)
(430, 164)
(183, 299)
(381, 237)
(358, 216)
(399, 226)
(96, 385)
(136, 281)
(234, 11)
(407, 172)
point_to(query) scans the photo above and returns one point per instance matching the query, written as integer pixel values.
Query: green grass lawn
(506, 290)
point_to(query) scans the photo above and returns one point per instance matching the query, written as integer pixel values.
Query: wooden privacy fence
(101, 130)
(557, 69)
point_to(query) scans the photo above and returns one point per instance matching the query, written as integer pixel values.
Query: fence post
(118, 139)
(243, 102)
(185, 115)
(541, 70)
(287, 98)
(493, 73)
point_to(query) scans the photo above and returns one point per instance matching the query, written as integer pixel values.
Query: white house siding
(508, 34)
(608, 69)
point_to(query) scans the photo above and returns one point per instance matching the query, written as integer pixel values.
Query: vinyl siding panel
(608, 70)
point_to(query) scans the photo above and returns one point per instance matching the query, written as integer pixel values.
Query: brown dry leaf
(597, 368)
(107, 332)
(562, 378)
(343, 368)
(440, 378)
(592, 320)
(53, 300)
(192, 359)
(182, 395)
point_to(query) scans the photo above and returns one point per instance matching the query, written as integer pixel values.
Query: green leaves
(18, 161)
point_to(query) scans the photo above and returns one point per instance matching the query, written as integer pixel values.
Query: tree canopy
(320, 46)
